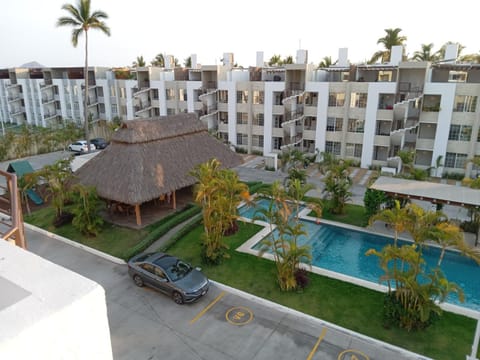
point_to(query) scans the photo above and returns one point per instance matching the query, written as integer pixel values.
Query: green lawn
(113, 240)
(342, 303)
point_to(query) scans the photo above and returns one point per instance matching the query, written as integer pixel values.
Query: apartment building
(362, 112)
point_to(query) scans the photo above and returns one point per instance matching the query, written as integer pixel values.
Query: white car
(81, 146)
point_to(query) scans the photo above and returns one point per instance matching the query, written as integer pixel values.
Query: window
(354, 150)
(356, 125)
(159, 272)
(336, 99)
(170, 94)
(258, 97)
(464, 103)
(223, 96)
(258, 119)
(242, 118)
(384, 75)
(460, 133)
(182, 95)
(277, 143)
(277, 121)
(358, 100)
(257, 140)
(334, 124)
(454, 160)
(310, 123)
(148, 267)
(431, 103)
(277, 97)
(333, 147)
(457, 76)
(170, 111)
(242, 97)
(223, 116)
(242, 139)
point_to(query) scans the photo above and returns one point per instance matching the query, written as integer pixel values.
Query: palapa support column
(174, 200)
(137, 214)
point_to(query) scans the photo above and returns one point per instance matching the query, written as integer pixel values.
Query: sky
(210, 28)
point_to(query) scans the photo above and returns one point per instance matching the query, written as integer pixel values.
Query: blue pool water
(343, 251)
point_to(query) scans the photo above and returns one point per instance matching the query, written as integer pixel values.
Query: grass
(354, 215)
(342, 303)
(113, 240)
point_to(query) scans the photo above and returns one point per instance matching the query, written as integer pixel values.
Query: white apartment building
(357, 111)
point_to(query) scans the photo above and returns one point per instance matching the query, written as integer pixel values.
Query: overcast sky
(210, 28)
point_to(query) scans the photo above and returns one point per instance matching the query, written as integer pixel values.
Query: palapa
(151, 158)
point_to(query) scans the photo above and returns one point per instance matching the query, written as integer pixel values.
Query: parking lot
(224, 324)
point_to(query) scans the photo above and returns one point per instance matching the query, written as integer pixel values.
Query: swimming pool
(342, 250)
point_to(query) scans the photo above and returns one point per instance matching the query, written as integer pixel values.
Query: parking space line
(320, 338)
(201, 313)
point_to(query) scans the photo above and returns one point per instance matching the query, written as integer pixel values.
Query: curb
(75, 244)
(284, 309)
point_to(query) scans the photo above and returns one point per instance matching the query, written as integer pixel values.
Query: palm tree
(288, 60)
(158, 61)
(140, 62)
(397, 218)
(473, 58)
(188, 62)
(426, 54)
(82, 20)
(326, 62)
(391, 39)
(275, 60)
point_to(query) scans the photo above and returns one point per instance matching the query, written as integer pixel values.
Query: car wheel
(70, 148)
(138, 280)
(177, 297)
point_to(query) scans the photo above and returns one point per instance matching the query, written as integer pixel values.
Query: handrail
(15, 231)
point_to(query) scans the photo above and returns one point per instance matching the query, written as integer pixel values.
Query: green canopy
(20, 168)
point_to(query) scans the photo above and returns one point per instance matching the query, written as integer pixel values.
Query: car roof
(158, 258)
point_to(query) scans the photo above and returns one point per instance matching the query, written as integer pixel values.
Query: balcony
(17, 111)
(15, 97)
(139, 91)
(47, 99)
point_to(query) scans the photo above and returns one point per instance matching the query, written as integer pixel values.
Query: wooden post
(174, 200)
(137, 214)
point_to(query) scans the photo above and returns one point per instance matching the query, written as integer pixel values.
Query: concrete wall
(48, 312)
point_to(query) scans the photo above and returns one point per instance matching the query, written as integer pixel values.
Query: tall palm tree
(83, 19)
(159, 60)
(392, 38)
(140, 62)
(426, 54)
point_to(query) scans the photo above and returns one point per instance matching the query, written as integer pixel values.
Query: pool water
(343, 251)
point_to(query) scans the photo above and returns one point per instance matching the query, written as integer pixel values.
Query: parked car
(100, 143)
(170, 275)
(80, 146)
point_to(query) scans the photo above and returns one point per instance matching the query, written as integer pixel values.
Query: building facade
(362, 112)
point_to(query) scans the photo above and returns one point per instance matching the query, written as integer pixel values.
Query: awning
(428, 191)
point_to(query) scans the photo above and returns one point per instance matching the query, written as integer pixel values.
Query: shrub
(301, 278)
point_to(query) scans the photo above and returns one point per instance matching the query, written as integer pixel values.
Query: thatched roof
(150, 158)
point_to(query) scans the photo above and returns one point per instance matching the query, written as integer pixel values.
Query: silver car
(170, 275)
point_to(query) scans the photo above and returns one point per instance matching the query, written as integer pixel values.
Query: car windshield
(178, 270)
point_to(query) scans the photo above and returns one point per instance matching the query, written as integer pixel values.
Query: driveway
(225, 324)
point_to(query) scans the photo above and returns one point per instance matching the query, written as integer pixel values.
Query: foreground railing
(11, 218)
